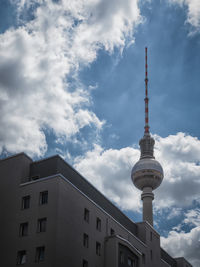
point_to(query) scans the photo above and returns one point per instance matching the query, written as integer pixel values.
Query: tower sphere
(147, 172)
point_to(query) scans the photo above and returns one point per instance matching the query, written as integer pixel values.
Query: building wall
(12, 171)
(68, 197)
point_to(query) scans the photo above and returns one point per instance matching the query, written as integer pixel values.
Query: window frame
(98, 224)
(86, 215)
(43, 198)
(98, 249)
(85, 263)
(86, 240)
(23, 231)
(38, 252)
(24, 199)
(40, 227)
(21, 257)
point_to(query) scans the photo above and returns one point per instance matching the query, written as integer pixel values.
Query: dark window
(85, 263)
(98, 224)
(23, 229)
(26, 202)
(85, 240)
(112, 232)
(43, 197)
(39, 256)
(21, 257)
(42, 223)
(131, 262)
(98, 248)
(151, 236)
(86, 215)
(151, 255)
(121, 257)
(143, 258)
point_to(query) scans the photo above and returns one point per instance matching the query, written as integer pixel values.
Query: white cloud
(110, 171)
(181, 244)
(37, 58)
(192, 217)
(193, 11)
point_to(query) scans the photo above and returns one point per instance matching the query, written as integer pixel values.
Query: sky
(72, 83)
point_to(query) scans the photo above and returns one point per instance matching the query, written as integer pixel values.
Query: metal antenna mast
(146, 127)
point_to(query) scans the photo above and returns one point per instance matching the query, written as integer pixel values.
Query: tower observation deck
(147, 173)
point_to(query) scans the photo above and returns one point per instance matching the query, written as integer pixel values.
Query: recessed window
(143, 258)
(85, 263)
(39, 256)
(26, 202)
(121, 257)
(151, 236)
(21, 257)
(112, 231)
(98, 248)
(86, 215)
(151, 253)
(85, 240)
(23, 229)
(41, 226)
(43, 197)
(131, 262)
(98, 224)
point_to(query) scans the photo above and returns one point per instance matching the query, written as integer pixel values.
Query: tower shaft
(147, 197)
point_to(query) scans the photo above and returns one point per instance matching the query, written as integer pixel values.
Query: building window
(151, 255)
(151, 236)
(26, 202)
(41, 226)
(98, 248)
(23, 229)
(43, 197)
(85, 240)
(112, 232)
(39, 256)
(86, 215)
(143, 258)
(21, 257)
(85, 263)
(98, 224)
(121, 257)
(131, 262)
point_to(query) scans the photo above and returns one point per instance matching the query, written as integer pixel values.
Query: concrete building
(51, 216)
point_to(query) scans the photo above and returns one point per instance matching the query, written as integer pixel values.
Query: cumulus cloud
(182, 244)
(110, 170)
(193, 12)
(179, 154)
(192, 217)
(40, 57)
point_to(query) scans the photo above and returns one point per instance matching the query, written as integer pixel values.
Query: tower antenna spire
(146, 127)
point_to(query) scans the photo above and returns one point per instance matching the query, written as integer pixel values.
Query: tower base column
(147, 197)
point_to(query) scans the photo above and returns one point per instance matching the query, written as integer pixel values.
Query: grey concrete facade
(52, 217)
